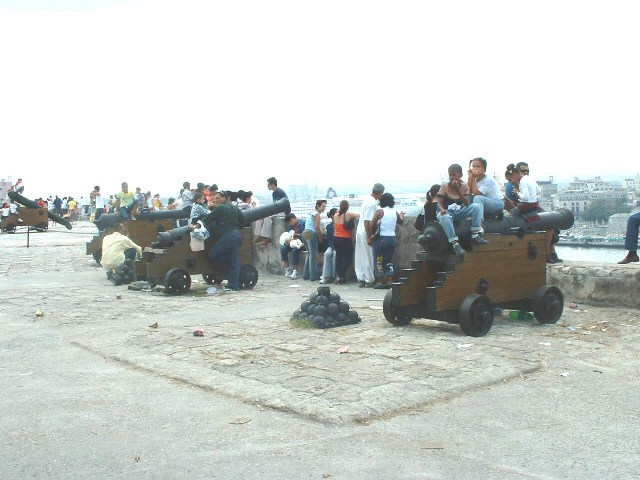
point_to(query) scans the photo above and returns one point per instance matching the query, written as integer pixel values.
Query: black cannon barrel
(166, 239)
(16, 197)
(264, 211)
(434, 240)
(113, 219)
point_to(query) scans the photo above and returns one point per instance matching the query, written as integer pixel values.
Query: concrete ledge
(602, 284)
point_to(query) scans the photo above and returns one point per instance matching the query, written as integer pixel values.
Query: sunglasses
(524, 170)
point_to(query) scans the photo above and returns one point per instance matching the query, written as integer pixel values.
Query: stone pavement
(422, 401)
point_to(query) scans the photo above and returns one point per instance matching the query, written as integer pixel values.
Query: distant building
(299, 193)
(579, 201)
(549, 191)
(632, 184)
(5, 186)
(591, 185)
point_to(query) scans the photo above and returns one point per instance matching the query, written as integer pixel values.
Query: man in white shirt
(117, 247)
(363, 258)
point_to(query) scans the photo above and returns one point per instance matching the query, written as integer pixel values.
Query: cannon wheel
(548, 303)
(394, 315)
(97, 256)
(42, 227)
(475, 315)
(212, 278)
(177, 281)
(248, 277)
(10, 228)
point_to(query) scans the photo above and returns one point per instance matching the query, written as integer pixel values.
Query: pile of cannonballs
(122, 275)
(324, 309)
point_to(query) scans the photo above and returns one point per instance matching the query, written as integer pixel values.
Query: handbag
(419, 224)
(350, 225)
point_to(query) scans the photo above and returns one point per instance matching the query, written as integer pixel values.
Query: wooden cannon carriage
(170, 261)
(509, 271)
(30, 215)
(142, 231)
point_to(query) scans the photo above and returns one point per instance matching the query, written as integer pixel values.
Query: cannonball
(302, 315)
(342, 317)
(304, 306)
(322, 299)
(343, 307)
(313, 296)
(320, 321)
(324, 290)
(332, 309)
(334, 298)
(320, 310)
(311, 309)
(353, 315)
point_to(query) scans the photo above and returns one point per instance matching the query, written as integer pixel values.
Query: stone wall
(602, 284)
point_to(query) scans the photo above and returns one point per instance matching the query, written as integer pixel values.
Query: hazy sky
(331, 93)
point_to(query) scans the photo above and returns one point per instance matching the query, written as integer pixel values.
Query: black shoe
(552, 259)
(478, 240)
(457, 249)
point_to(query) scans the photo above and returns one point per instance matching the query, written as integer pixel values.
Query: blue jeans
(284, 255)
(185, 221)
(631, 238)
(226, 253)
(472, 210)
(491, 206)
(125, 211)
(310, 239)
(383, 248)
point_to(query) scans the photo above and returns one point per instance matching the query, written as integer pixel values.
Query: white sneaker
(294, 275)
(287, 272)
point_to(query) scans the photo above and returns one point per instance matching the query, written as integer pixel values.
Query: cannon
(31, 216)
(509, 272)
(169, 259)
(142, 230)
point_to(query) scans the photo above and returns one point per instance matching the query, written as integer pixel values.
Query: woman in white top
(528, 193)
(384, 244)
(484, 189)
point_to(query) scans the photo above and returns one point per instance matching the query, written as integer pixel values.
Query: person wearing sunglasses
(528, 192)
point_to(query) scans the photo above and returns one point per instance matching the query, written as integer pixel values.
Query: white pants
(363, 258)
(263, 227)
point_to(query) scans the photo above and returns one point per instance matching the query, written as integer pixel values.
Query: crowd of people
(365, 238)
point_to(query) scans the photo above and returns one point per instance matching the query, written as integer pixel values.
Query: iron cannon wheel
(394, 314)
(212, 278)
(177, 281)
(97, 256)
(42, 227)
(548, 303)
(248, 277)
(475, 315)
